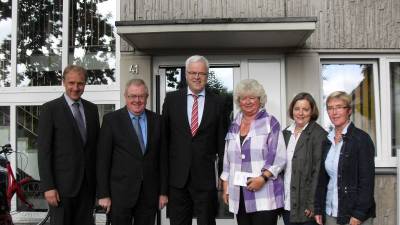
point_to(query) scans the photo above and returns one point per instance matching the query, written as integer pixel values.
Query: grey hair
(341, 95)
(197, 58)
(136, 82)
(250, 87)
(76, 69)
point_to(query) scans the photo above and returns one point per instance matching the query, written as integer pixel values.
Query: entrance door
(225, 73)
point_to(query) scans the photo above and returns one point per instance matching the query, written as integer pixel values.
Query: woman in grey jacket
(304, 140)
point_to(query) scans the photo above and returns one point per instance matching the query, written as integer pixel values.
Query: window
(4, 125)
(26, 136)
(39, 42)
(91, 38)
(395, 98)
(5, 43)
(358, 81)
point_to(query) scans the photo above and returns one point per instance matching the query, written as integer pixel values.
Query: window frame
(14, 96)
(381, 71)
(387, 111)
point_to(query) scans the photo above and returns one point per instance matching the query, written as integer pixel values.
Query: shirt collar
(293, 126)
(331, 134)
(131, 115)
(70, 101)
(202, 93)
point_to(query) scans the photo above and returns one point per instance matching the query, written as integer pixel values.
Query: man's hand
(52, 197)
(354, 221)
(318, 219)
(105, 203)
(163, 201)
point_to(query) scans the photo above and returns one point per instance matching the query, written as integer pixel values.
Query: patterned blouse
(263, 148)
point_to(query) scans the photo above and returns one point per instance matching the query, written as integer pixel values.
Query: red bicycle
(27, 191)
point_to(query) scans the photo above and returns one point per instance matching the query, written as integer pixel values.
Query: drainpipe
(398, 185)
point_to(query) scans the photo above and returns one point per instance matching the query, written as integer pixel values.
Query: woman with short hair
(304, 139)
(254, 158)
(345, 191)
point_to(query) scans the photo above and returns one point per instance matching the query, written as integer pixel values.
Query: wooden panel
(362, 24)
(194, 9)
(351, 23)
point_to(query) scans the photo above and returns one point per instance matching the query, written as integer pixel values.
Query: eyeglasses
(338, 108)
(139, 97)
(195, 74)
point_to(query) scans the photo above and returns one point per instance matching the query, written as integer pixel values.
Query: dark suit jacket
(194, 155)
(306, 163)
(122, 169)
(63, 158)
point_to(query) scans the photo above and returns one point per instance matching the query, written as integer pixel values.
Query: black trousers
(75, 210)
(142, 213)
(266, 217)
(184, 203)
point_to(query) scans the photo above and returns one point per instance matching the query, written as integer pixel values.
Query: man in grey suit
(131, 164)
(68, 129)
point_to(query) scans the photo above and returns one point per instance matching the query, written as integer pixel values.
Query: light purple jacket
(263, 148)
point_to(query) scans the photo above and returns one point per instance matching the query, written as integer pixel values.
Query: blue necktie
(138, 130)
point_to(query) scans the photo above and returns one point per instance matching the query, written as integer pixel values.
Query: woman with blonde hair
(254, 158)
(345, 191)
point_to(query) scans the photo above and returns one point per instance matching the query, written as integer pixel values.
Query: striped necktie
(194, 123)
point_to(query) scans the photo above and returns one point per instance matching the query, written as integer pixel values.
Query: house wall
(343, 26)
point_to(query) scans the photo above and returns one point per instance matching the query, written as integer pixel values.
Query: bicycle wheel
(35, 197)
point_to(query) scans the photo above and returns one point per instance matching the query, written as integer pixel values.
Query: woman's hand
(318, 219)
(225, 195)
(354, 221)
(255, 183)
(308, 213)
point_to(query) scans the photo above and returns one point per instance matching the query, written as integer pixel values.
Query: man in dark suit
(131, 166)
(68, 129)
(194, 133)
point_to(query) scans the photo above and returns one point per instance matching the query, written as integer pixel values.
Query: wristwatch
(265, 177)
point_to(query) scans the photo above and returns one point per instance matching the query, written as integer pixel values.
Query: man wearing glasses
(131, 168)
(194, 132)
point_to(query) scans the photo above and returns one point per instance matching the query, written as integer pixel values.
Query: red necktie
(194, 123)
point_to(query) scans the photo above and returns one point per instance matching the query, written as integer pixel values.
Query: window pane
(395, 92)
(27, 124)
(26, 135)
(356, 80)
(4, 125)
(4, 139)
(104, 109)
(5, 43)
(92, 40)
(39, 42)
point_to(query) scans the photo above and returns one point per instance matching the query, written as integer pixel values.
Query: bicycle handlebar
(6, 149)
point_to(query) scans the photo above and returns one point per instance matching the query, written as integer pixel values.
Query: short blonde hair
(341, 95)
(250, 87)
